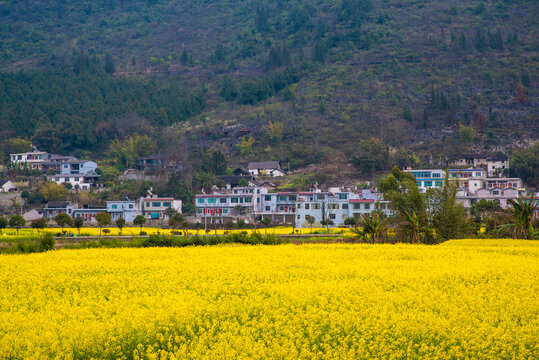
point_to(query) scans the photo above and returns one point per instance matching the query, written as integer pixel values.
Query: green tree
(350, 221)
(78, 223)
(243, 183)
(39, 224)
(467, 134)
(103, 219)
(3, 223)
(229, 89)
(401, 189)
(524, 163)
(176, 221)
(63, 220)
(16, 222)
(310, 220)
(371, 226)
(139, 220)
(120, 223)
(109, 64)
(449, 218)
(266, 222)
(53, 192)
(521, 212)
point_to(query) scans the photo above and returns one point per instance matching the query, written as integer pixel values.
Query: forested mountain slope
(310, 79)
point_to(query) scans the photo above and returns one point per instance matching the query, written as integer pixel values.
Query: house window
(247, 199)
(130, 206)
(281, 208)
(478, 174)
(332, 216)
(436, 175)
(225, 211)
(167, 204)
(356, 206)
(267, 197)
(428, 183)
(199, 210)
(316, 206)
(299, 217)
(234, 200)
(320, 196)
(307, 206)
(66, 179)
(115, 206)
(345, 206)
(333, 206)
(367, 206)
(343, 196)
(419, 183)
(438, 183)
(496, 192)
(222, 201)
(268, 208)
(156, 204)
(212, 200)
(199, 200)
(282, 198)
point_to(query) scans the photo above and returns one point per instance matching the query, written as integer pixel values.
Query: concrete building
(154, 207)
(54, 208)
(471, 179)
(428, 178)
(78, 182)
(125, 209)
(337, 206)
(88, 212)
(241, 202)
(78, 167)
(265, 168)
(501, 196)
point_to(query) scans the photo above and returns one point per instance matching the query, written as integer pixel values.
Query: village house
(471, 179)
(54, 208)
(501, 196)
(265, 168)
(154, 207)
(88, 212)
(497, 167)
(278, 207)
(231, 181)
(427, 179)
(503, 183)
(7, 186)
(80, 174)
(242, 202)
(34, 214)
(122, 209)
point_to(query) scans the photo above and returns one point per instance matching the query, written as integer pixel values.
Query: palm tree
(372, 226)
(522, 213)
(415, 225)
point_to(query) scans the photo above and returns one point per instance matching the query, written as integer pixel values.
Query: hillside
(371, 82)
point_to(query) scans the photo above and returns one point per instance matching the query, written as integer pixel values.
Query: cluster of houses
(243, 195)
(152, 207)
(331, 207)
(474, 185)
(79, 174)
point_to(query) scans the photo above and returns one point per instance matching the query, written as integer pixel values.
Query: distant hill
(307, 78)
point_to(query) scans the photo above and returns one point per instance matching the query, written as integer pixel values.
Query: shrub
(46, 242)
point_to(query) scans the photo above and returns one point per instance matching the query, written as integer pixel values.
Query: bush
(46, 242)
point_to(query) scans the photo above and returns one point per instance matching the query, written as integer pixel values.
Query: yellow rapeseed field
(462, 299)
(11, 234)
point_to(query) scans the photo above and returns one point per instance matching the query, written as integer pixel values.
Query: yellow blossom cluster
(464, 299)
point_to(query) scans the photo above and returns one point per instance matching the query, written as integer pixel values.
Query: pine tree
(109, 64)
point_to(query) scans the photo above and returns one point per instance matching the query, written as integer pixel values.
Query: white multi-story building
(337, 206)
(501, 196)
(428, 178)
(154, 207)
(245, 202)
(469, 179)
